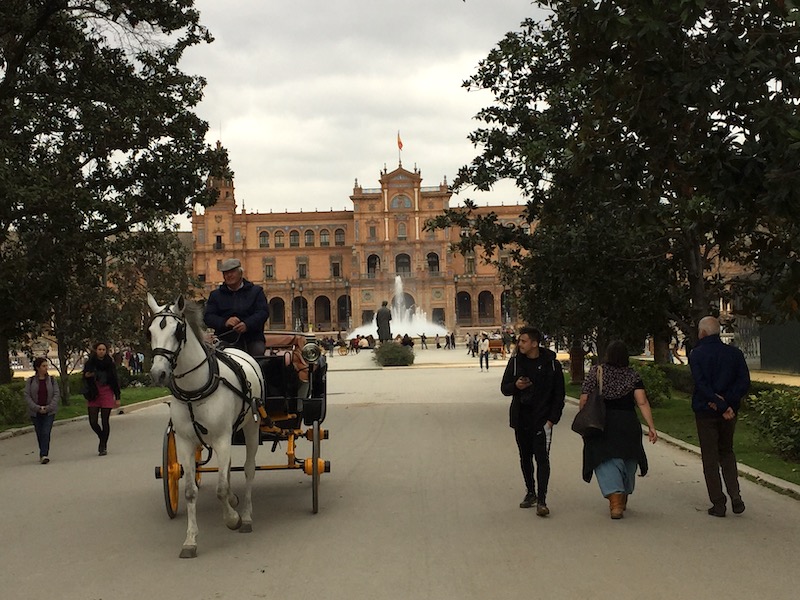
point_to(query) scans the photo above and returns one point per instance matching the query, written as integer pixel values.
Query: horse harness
(213, 358)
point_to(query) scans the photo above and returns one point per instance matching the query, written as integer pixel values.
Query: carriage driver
(238, 305)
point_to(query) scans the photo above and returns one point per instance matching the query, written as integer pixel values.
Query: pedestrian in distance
(483, 351)
(239, 307)
(42, 396)
(423, 341)
(101, 388)
(721, 380)
(614, 454)
(535, 381)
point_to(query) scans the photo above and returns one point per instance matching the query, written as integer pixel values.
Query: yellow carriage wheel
(171, 472)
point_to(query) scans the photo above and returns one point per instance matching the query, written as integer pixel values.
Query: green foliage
(655, 382)
(12, 406)
(98, 138)
(652, 143)
(776, 416)
(679, 377)
(390, 354)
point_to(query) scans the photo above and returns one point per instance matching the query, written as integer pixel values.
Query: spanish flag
(399, 142)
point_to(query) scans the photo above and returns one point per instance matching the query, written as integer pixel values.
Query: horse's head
(167, 335)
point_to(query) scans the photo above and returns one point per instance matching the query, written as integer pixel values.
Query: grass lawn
(675, 418)
(77, 403)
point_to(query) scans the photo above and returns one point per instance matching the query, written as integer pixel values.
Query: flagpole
(399, 149)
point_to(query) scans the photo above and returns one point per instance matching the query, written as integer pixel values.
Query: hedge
(776, 416)
(390, 354)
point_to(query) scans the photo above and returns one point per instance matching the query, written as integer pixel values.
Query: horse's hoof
(234, 501)
(189, 552)
(238, 523)
(246, 528)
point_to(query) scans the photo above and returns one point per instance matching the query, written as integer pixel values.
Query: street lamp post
(295, 308)
(347, 303)
(302, 320)
(455, 299)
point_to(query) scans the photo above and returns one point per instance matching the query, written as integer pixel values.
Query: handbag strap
(600, 379)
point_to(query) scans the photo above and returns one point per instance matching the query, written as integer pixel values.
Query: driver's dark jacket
(248, 303)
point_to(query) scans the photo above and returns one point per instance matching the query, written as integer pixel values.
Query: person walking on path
(721, 380)
(100, 378)
(240, 306)
(534, 380)
(42, 395)
(483, 351)
(614, 454)
(382, 319)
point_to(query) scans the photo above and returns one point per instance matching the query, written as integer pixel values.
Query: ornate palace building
(331, 270)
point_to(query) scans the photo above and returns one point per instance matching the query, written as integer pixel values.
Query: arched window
(309, 234)
(373, 265)
(402, 263)
(401, 201)
(263, 239)
(324, 238)
(433, 262)
(402, 232)
(486, 305)
(294, 239)
(339, 237)
(279, 239)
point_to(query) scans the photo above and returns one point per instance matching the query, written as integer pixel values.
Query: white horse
(215, 393)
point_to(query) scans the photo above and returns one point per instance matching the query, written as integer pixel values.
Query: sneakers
(530, 500)
(717, 511)
(542, 510)
(44, 460)
(737, 506)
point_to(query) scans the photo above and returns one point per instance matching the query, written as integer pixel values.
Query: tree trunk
(63, 368)
(576, 357)
(5, 365)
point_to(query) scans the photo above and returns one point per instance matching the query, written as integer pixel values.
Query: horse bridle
(212, 357)
(172, 357)
(180, 333)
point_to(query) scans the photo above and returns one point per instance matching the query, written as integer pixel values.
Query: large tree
(678, 117)
(98, 138)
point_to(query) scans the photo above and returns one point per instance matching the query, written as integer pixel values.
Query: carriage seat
(285, 371)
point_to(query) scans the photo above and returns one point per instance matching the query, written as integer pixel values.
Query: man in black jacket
(721, 380)
(238, 305)
(535, 382)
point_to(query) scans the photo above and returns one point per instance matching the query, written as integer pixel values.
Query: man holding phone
(535, 381)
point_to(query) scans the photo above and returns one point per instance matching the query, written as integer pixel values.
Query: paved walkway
(458, 358)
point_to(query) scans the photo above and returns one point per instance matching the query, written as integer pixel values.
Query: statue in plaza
(382, 320)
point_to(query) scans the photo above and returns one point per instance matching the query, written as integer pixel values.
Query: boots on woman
(615, 502)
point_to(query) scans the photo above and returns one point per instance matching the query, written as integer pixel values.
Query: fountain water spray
(405, 319)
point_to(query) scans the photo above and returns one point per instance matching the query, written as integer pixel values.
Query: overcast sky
(308, 95)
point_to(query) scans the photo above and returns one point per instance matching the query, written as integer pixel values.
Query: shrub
(776, 416)
(12, 406)
(655, 382)
(390, 354)
(679, 377)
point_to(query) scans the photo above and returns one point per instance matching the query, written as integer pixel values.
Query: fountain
(405, 319)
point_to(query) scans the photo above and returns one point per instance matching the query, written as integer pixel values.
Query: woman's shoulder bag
(591, 419)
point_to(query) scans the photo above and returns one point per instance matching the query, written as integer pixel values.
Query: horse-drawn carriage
(227, 397)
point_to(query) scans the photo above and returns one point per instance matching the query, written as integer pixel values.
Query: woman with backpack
(42, 395)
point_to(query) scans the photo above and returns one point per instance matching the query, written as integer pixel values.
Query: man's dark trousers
(534, 444)
(716, 449)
